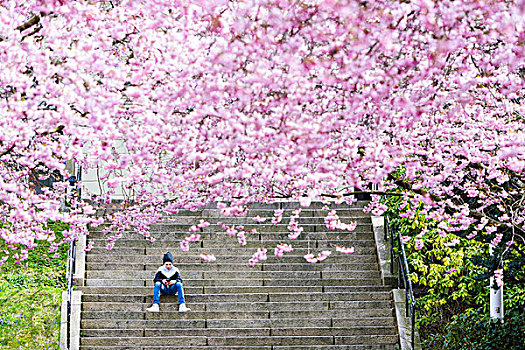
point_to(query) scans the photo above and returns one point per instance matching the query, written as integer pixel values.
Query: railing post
(385, 228)
(70, 272)
(387, 233)
(413, 319)
(403, 275)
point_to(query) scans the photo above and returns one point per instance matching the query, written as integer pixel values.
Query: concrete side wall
(63, 322)
(404, 326)
(76, 297)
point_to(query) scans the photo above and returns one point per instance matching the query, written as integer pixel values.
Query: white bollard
(496, 294)
(496, 301)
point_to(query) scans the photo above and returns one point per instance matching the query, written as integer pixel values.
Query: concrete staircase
(279, 304)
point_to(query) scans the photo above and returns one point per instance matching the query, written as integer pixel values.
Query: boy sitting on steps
(168, 282)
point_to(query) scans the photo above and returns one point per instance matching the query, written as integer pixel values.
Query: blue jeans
(161, 289)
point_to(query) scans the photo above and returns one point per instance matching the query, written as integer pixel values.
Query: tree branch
(32, 21)
(7, 151)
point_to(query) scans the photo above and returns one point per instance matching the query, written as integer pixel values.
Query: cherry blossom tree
(249, 101)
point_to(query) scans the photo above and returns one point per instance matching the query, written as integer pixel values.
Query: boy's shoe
(153, 308)
(183, 308)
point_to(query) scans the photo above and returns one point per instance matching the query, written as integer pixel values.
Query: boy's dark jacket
(169, 275)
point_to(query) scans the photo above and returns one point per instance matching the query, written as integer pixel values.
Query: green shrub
(30, 298)
(444, 277)
(450, 282)
(475, 330)
(30, 316)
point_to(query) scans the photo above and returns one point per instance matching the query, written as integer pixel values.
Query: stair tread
(279, 304)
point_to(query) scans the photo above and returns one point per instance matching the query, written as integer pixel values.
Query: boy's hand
(165, 282)
(171, 283)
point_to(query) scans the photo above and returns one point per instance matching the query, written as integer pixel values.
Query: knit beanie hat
(167, 257)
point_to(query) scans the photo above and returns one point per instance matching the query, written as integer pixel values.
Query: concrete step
(242, 297)
(244, 347)
(281, 265)
(363, 247)
(338, 347)
(170, 313)
(303, 340)
(279, 304)
(139, 341)
(289, 323)
(247, 226)
(210, 275)
(239, 282)
(231, 242)
(236, 332)
(210, 290)
(305, 217)
(267, 210)
(220, 235)
(194, 298)
(297, 306)
(364, 239)
(157, 259)
(241, 306)
(240, 341)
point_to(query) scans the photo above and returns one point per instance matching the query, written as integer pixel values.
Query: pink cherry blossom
(323, 255)
(259, 219)
(344, 250)
(203, 224)
(181, 111)
(332, 222)
(311, 258)
(184, 246)
(208, 257)
(259, 255)
(496, 241)
(192, 238)
(452, 243)
(282, 248)
(498, 277)
(241, 238)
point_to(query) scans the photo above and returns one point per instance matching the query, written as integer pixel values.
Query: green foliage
(474, 330)
(514, 298)
(450, 282)
(30, 316)
(445, 277)
(30, 297)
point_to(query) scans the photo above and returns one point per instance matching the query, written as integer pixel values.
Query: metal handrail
(71, 267)
(403, 274)
(70, 273)
(390, 236)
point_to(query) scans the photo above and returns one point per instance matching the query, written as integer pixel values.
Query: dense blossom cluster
(207, 257)
(282, 248)
(248, 101)
(237, 231)
(277, 216)
(311, 258)
(293, 226)
(259, 255)
(333, 222)
(345, 250)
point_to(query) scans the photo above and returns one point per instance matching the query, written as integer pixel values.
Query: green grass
(30, 299)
